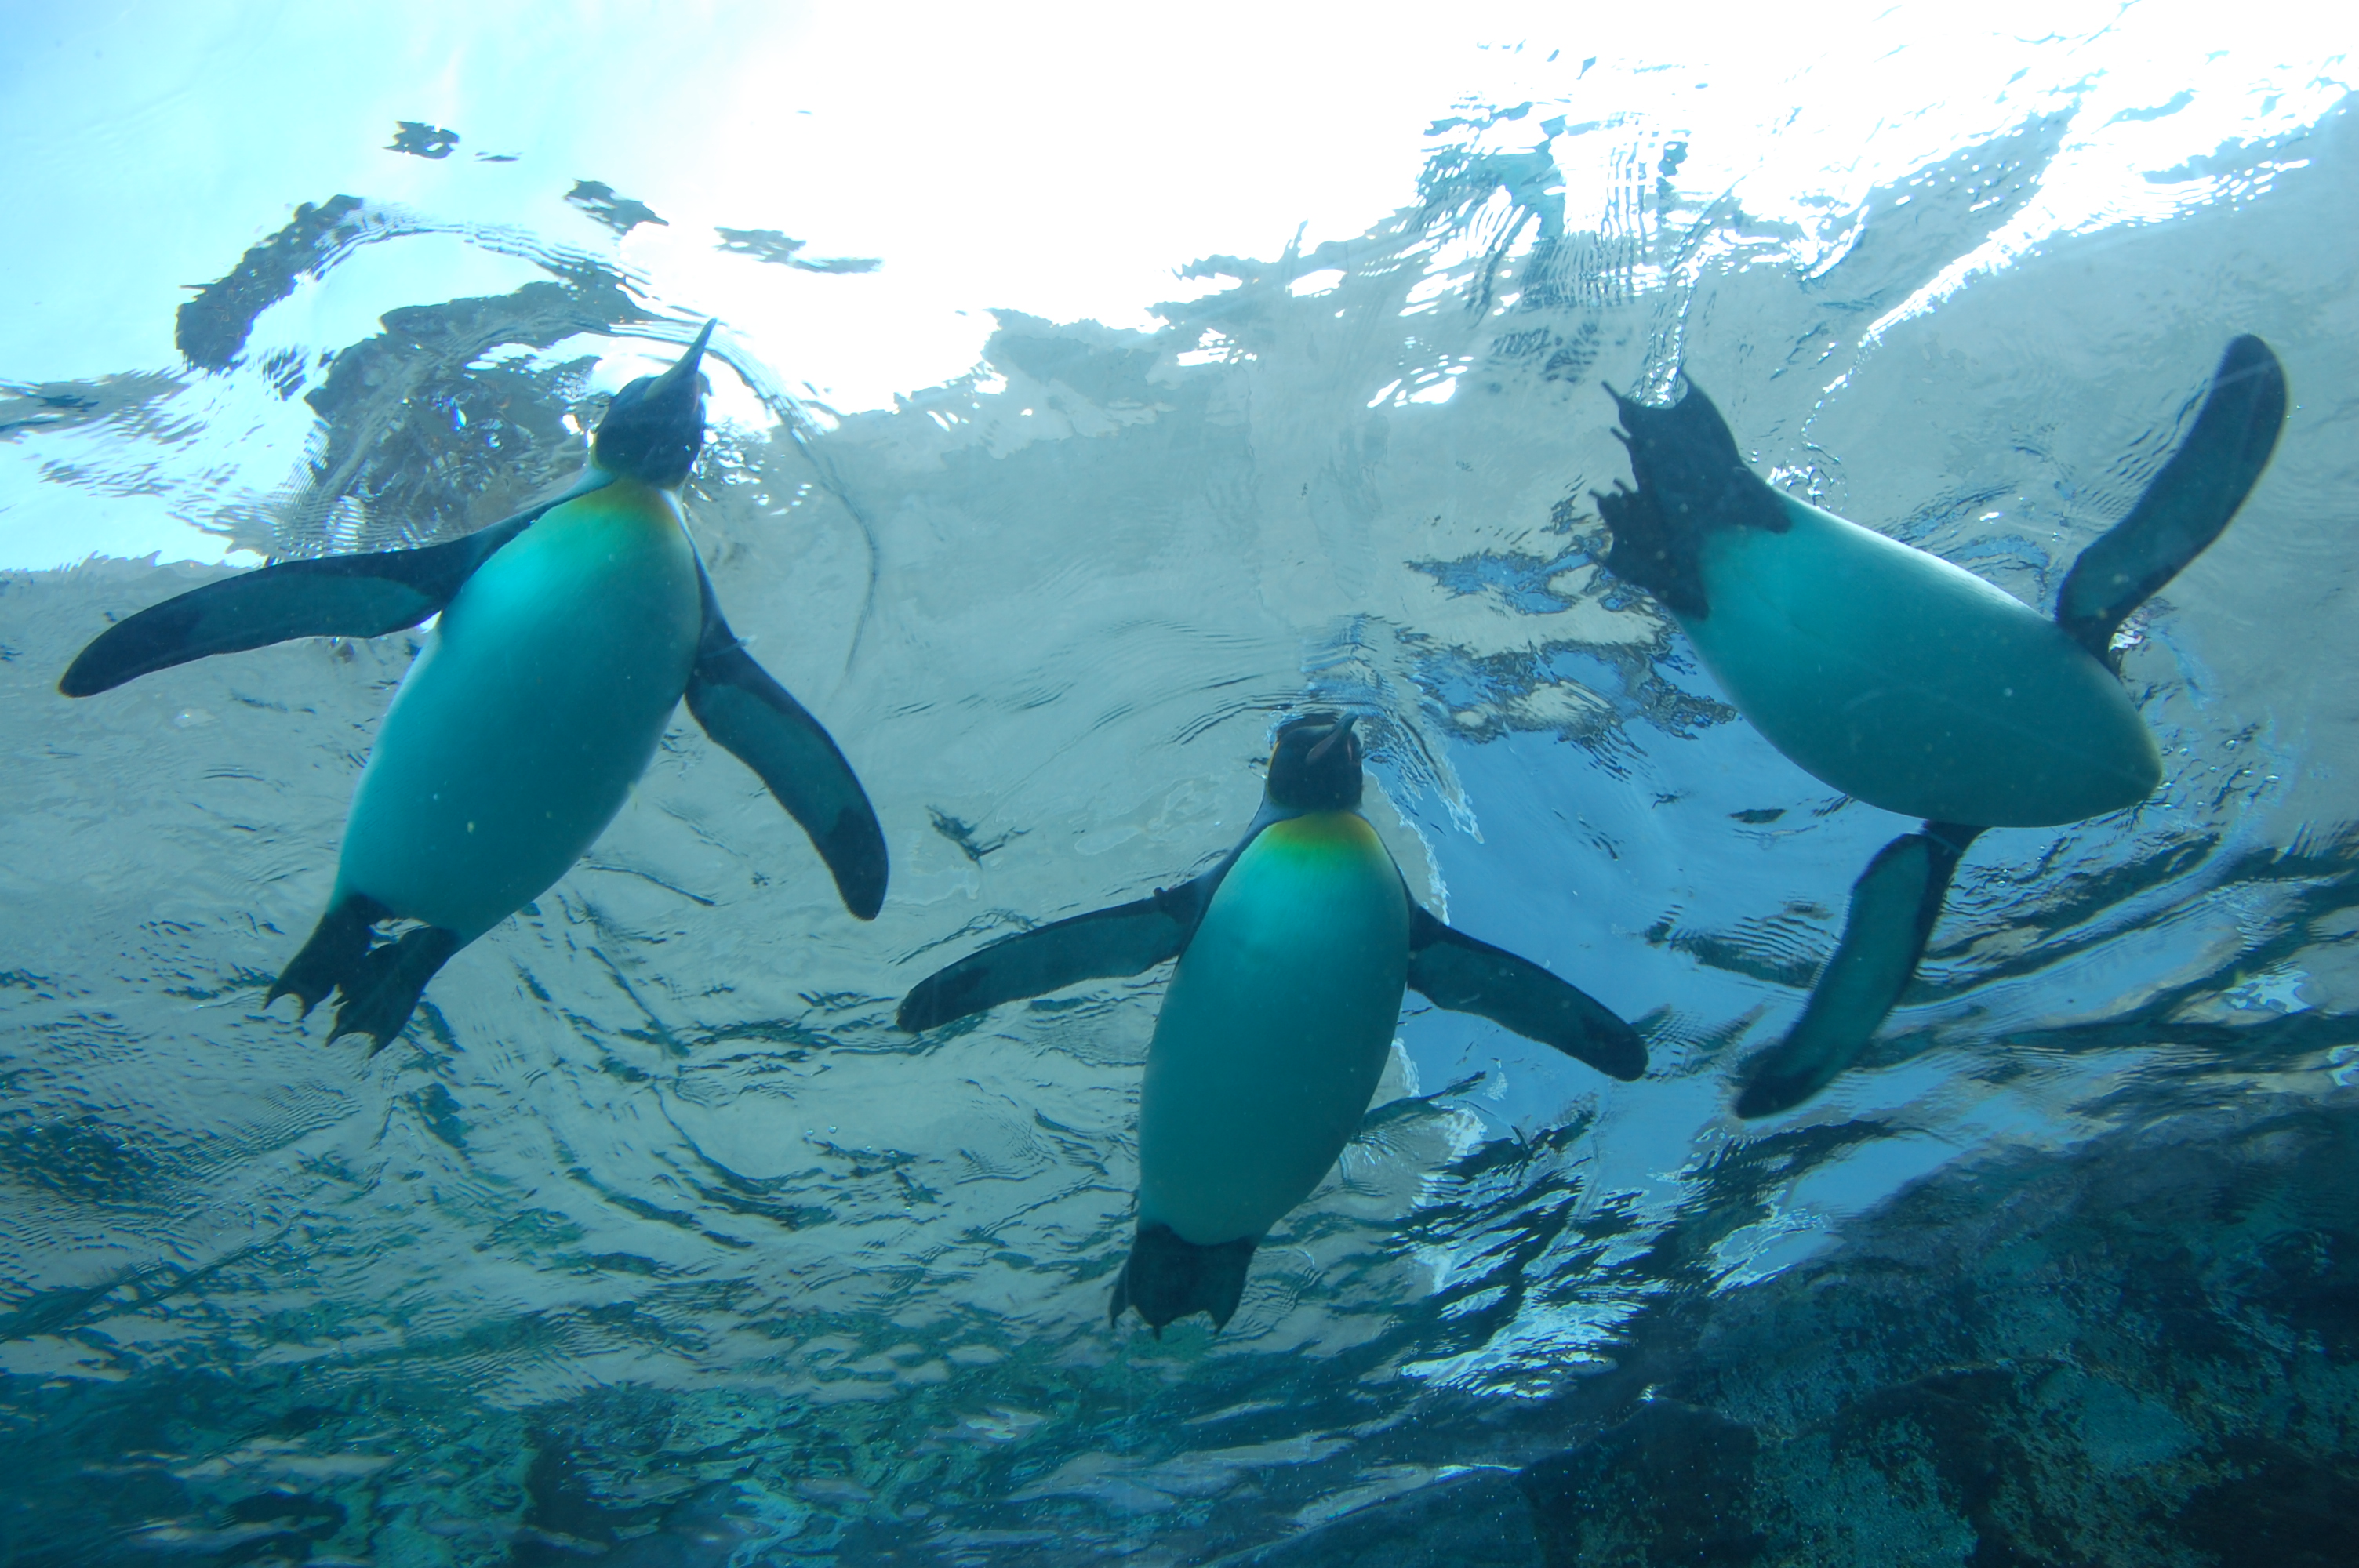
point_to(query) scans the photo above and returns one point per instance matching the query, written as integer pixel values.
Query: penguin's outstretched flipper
(329, 596)
(744, 707)
(1893, 907)
(1167, 1278)
(2187, 504)
(381, 984)
(1452, 970)
(1105, 944)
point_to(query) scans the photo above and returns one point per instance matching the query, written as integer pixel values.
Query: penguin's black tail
(380, 981)
(1167, 1278)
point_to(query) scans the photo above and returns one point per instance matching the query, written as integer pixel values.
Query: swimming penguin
(1293, 955)
(1909, 683)
(569, 634)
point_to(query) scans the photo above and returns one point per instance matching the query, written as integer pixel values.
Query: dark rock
(420, 139)
(1672, 1484)
(212, 326)
(2136, 1353)
(620, 213)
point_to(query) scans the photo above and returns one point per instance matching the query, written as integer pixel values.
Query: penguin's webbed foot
(338, 946)
(1646, 552)
(391, 977)
(380, 983)
(1167, 1278)
(1691, 483)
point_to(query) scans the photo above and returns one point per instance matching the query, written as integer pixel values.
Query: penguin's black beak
(1327, 745)
(1315, 766)
(655, 426)
(678, 386)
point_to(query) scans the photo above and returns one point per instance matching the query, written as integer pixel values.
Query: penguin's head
(1316, 764)
(655, 426)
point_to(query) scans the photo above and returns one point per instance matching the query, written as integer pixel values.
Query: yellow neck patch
(1323, 834)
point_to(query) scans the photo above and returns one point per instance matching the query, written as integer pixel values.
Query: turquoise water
(1085, 401)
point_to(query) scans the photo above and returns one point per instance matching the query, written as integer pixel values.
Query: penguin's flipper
(744, 707)
(1452, 970)
(329, 596)
(1103, 944)
(1167, 1278)
(1893, 907)
(2187, 504)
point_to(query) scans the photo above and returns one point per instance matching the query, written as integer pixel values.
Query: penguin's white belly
(1912, 683)
(516, 735)
(1274, 1030)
